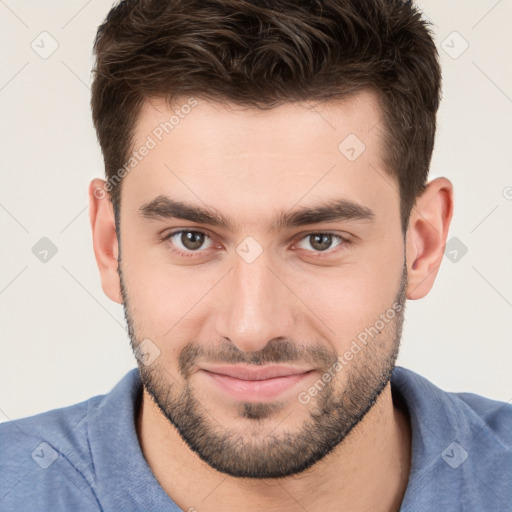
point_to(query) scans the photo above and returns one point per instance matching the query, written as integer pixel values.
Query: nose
(254, 305)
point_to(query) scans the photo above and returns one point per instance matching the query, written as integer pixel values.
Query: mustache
(277, 350)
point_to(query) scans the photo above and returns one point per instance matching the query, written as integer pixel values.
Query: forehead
(292, 127)
(224, 155)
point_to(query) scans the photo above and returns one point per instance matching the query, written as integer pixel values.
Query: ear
(426, 236)
(104, 236)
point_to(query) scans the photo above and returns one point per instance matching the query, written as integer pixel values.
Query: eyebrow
(163, 207)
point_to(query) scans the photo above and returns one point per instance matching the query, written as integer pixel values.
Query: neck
(367, 471)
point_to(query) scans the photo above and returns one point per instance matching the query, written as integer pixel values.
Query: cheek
(164, 299)
(173, 302)
(350, 299)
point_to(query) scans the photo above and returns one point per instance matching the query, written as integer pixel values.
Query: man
(266, 214)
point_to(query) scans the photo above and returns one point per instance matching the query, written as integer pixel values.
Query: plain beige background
(63, 341)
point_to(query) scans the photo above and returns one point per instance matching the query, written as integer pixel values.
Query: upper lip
(244, 372)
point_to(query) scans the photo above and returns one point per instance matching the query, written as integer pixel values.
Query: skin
(249, 165)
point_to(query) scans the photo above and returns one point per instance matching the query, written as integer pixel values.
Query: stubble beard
(330, 415)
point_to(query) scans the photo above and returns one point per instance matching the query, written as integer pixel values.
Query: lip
(255, 384)
(243, 372)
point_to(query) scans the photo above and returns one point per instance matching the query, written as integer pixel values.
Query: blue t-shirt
(88, 457)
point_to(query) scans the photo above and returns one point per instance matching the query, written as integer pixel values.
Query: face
(263, 276)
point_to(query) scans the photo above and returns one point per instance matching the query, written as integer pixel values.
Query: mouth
(255, 384)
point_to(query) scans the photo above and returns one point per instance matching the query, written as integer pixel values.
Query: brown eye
(187, 241)
(320, 242)
(192, 240)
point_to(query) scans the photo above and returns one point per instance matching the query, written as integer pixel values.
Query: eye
(321, 242)
(188, 241)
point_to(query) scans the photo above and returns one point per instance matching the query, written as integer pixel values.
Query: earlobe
(426, 236)
(104, 237)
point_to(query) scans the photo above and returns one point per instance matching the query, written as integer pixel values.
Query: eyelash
(191, 254)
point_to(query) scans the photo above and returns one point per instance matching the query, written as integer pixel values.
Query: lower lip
(255, 390)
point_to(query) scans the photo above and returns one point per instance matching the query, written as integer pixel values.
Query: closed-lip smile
(254, 383)
(250, 372)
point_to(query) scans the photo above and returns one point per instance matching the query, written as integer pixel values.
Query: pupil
(325, 241)
(192, 240)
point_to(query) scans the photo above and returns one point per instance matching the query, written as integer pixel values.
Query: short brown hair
(263, 53)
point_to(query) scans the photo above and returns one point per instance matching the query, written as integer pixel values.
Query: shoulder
(461, 410)
(495, 415)
(462, 446)
(48, 452)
